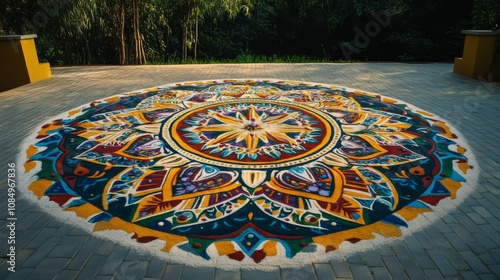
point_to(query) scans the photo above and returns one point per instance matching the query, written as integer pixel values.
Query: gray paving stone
(68, 274)
(433, 274)
(494, 222)
(439, 240)
(51, 264)
(360, 272)
(261, 275)
(462, 233)
(113, 260)
(443, 264)
(25, 237)
(356, 259)
(385, 251)
(394, 267)
(134, 255)
(478, 248)
(456, 260)
(156, 268)
(492, 233)
(468, 275)
(202, 273)
(77, 232)
(173, 271)
(227, 275)
(40, 253)
(470, 233)
(412, 244)
(323, 271)
(132, 270)
(442, 227)
(42, 275)
(478, 220)
(487, 277)
(39, 238)
(341, 269)
(64, 251)
(22, 255)
(424, 240)
(26, 222)
(105, 248)
(380, 273)
(84, 253)
(54, 223)
(73, 240)
(299, 273)
(489, 259)
(104, 277)
(485, 240)
(372, 259)
(483, 212)
(62, 231)
(456, 242)
(91, 267)
(495, 268)
(474, 262)
(21, 273)
(409, 265)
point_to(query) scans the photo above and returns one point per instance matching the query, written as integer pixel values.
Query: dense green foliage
(174, 31)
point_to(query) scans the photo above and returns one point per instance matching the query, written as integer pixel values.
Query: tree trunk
(184, 37)
(196, 34)
(140, 55)
(123, 54)
(136, 36)
(89, 56)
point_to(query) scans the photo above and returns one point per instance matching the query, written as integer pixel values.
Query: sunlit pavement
(463, 243)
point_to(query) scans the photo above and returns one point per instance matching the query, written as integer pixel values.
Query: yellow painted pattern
(20, 63)
(270, 248)
(225, 248)
(39, 187)
(365, 232)
(452, 186)
(118, 224)
(410, 213)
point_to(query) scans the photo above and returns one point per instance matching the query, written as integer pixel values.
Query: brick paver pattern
(463, 243)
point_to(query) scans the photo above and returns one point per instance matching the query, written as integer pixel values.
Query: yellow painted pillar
(19, 63)
(478, 60)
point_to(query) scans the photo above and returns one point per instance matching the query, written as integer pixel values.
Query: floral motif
(275, 129)
(247, 167)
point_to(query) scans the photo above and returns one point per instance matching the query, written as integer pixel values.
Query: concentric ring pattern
(247, 169)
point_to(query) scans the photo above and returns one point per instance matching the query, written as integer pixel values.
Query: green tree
(486, 14)
(193, 11)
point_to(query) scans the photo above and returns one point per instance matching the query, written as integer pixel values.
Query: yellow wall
(19, 64)
(478, 58)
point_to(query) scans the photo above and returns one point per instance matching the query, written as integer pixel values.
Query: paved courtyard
(463, 243)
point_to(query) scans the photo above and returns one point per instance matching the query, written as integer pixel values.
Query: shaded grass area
(248, 58)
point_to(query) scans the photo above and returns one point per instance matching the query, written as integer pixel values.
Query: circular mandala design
(251, 133)
(247, 169)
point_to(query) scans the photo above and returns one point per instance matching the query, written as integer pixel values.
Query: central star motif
(251, 130)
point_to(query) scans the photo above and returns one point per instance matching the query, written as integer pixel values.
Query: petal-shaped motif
(247, 169)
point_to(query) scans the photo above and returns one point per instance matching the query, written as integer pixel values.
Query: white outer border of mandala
(179, 256)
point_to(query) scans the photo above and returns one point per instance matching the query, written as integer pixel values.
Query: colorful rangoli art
(247, 169)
